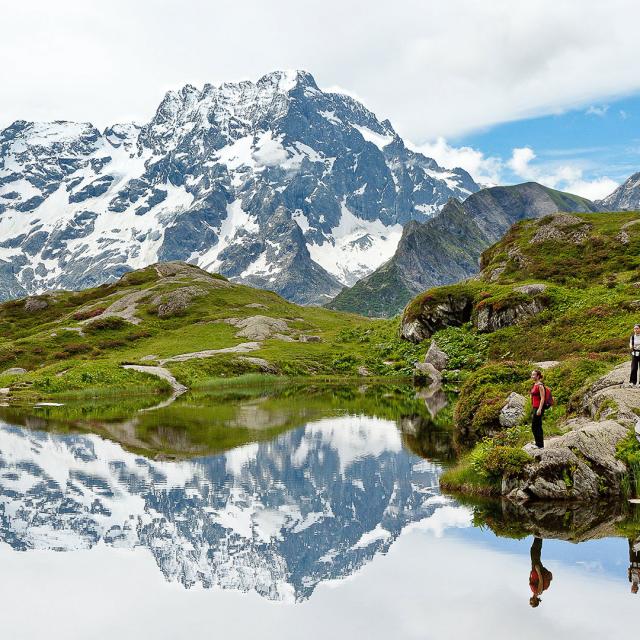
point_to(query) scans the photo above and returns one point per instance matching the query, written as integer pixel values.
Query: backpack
(549, 400)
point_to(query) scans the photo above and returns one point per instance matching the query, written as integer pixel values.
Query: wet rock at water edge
(426, 373)
(436, 356)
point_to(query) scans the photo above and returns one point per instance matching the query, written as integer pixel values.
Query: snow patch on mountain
(216, 173)
(354, 246)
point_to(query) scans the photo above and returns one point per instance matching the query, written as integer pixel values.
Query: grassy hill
(562, 288)
(167, 315)
(446, 248)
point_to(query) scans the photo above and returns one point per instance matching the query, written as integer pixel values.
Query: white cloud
(457, 65)
(568, 177)
(483, 169)
(600, 111)
(492, 170)
(520, 160)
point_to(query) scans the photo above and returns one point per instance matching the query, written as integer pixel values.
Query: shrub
(73, 348)
(110, 323)
(482, 395)
(493, 459)
(505, 461)
(88, 313)
(628, 450)
(466, 349)
(344, 363)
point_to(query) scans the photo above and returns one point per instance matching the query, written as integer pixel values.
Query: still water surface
(321, 517)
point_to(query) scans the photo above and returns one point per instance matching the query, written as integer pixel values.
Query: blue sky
(602, 140)
(587, 150)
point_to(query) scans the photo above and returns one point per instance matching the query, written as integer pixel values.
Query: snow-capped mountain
(626, 197)
(275, 183)
(278, 518)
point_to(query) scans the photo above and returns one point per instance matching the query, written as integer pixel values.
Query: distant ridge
(447, 248)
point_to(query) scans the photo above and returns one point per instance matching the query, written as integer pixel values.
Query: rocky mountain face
(274, 183)
(277, 518)
(447, 248)
(625, 198)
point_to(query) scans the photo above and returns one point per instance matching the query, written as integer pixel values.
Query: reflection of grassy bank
(574, 522)
(225, 414)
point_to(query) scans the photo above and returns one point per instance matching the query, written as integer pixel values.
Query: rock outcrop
(176, 302)
(436, 356)
(513, 411)
(608, 397)
(435, 314)
(33, 304)
(259, 327)
(490, 318)
(435, 310)
(579, 465)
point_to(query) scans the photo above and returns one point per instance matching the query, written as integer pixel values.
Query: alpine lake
(282, 510)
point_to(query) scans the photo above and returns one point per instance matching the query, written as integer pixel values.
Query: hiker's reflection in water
(634, 564)
(539, 578)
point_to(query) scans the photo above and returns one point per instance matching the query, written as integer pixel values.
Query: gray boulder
(531, 289)
(13, 371)
(32, 305)
(579, 465)
(176, 302)
(428, 371)
(513, 411)
(436, 356)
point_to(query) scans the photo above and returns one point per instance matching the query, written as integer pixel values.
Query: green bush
(492, 459)
(465, 348)
(628, 450)
(110, 323)
(483, 395)
(345, 362)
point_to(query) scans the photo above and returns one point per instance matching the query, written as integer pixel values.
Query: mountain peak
(288, 79)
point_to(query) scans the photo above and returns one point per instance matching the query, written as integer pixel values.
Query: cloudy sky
(511, 90)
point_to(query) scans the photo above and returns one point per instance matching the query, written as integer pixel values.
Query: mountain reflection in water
(280, 496)
(278, 517)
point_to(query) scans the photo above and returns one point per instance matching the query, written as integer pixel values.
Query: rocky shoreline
(581, 464)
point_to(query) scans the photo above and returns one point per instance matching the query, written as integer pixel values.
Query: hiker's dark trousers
(536, 428)
(635, 365)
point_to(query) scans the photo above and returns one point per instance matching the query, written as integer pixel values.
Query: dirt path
(244, 347)
(164, 374)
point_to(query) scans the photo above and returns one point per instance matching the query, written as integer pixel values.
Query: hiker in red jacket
(538, 395)
(539, 578)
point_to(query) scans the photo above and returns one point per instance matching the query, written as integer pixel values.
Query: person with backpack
(539, 402)
(539, 578)
(634, 347)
